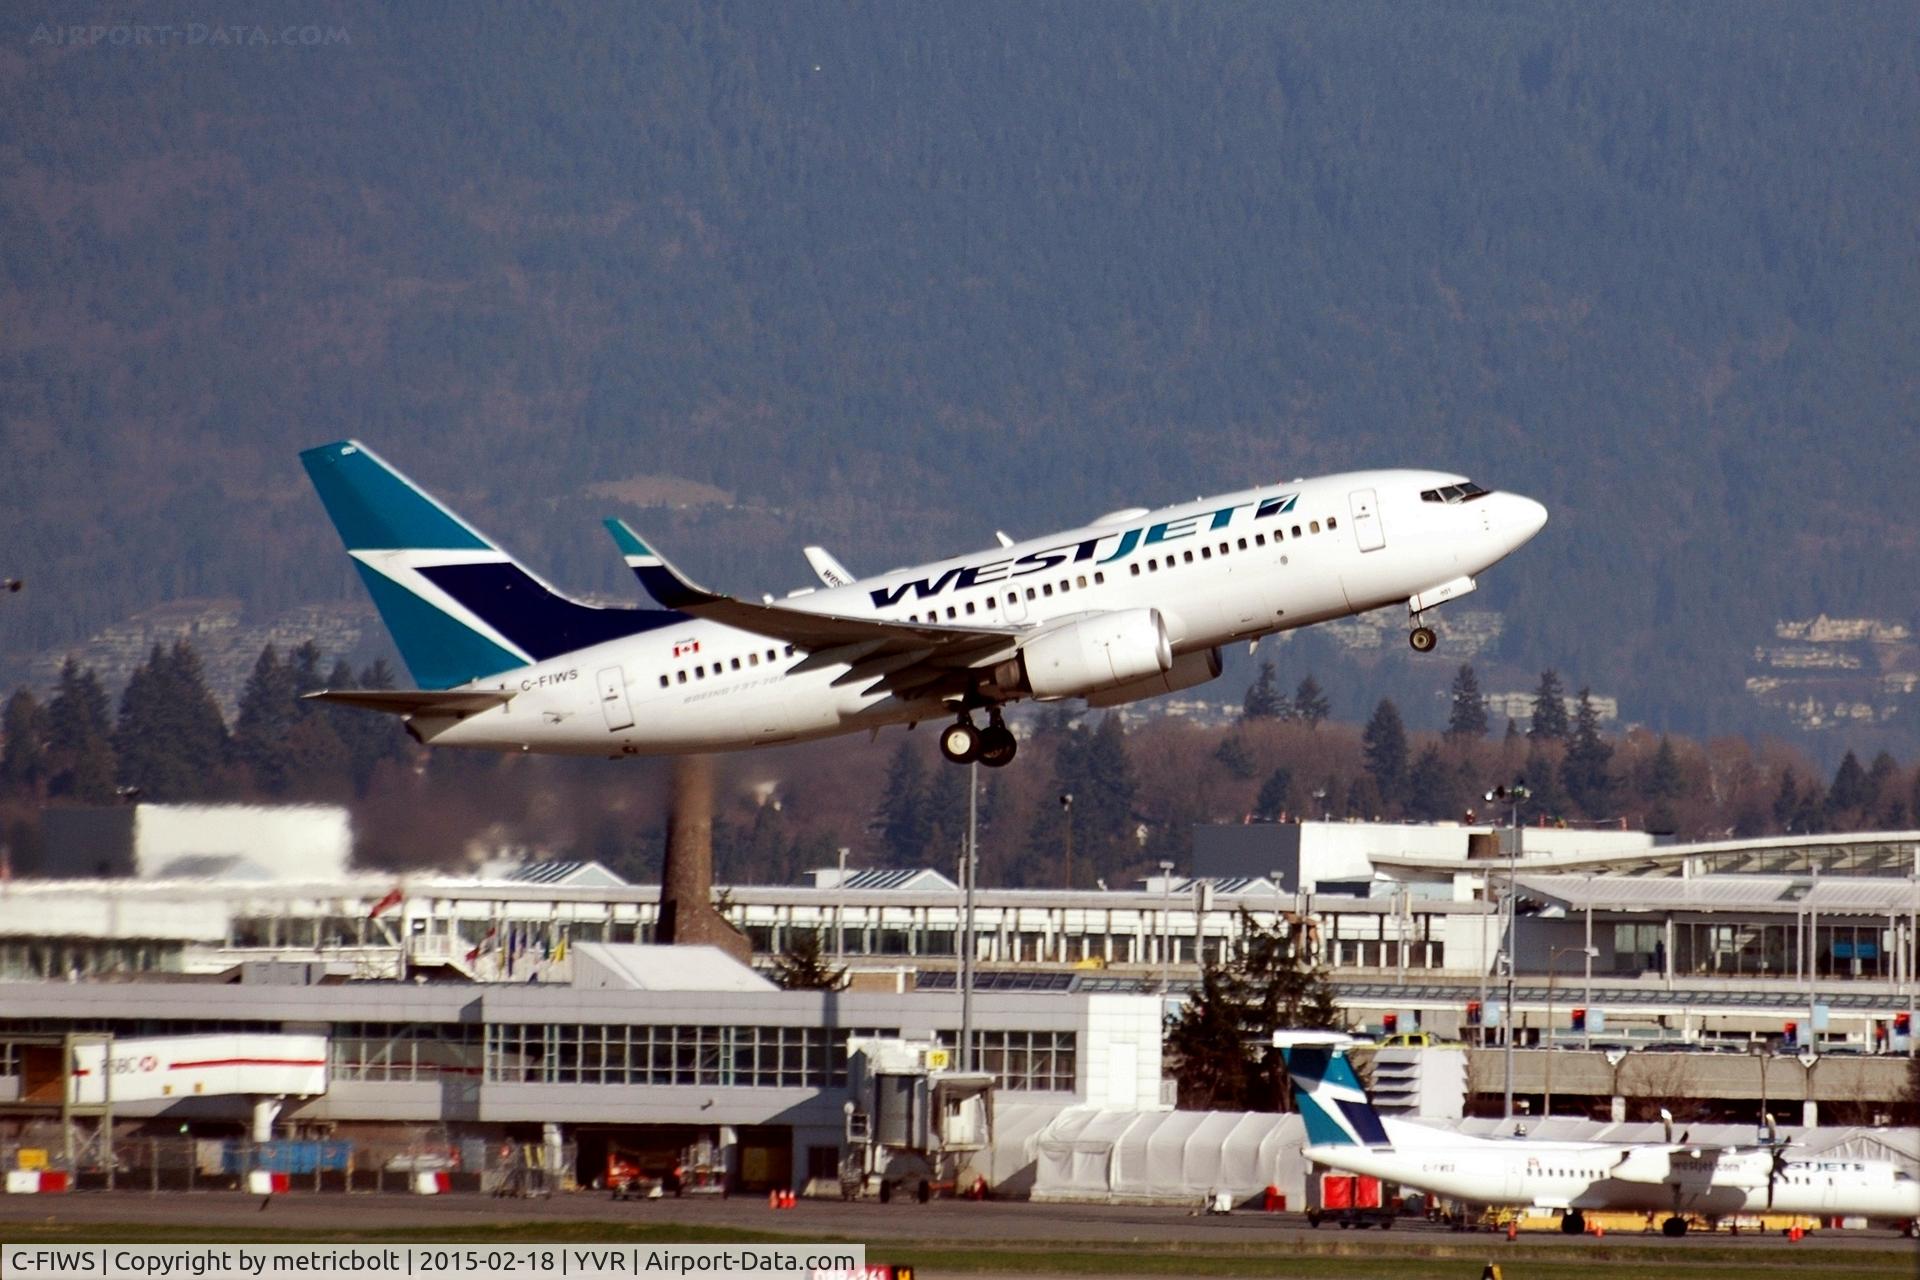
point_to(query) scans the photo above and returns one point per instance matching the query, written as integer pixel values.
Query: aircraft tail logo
(459, 608)
(1331, 1099)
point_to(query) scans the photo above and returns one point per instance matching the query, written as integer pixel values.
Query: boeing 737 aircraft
(1344, 1132)
(1133, 605)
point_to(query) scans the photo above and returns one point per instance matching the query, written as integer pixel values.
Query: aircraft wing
(416, 702)
(901, 657)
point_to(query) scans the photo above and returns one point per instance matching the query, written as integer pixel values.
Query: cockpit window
(1453, 493)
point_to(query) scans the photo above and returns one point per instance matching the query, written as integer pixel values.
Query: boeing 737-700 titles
(1137, 603)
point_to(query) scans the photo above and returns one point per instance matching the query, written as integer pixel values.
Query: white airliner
(1133, 605)
(1677, 1178)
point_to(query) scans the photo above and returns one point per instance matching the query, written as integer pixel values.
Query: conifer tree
(1264, 700)
(1549, 708)
(1233, 753)
(1103, 800)
(146, 746)
(80, 738)
(803, 964)
(1431, 787)
(170, 741)
(1221, 1042)
(24, 759)
(1466, 707)
(1786, 799)
(1550, 799)
(903, 816)
(371, 739)
(1385, 746)
(1584, 767)
(1849, 794)
(1310, 705)
(945, 820)
(1664, 784)
(263, 729)
(1276, 796)
(1888, 806)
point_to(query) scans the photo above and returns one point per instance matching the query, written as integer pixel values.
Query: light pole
(969, 865)
(1166, 926)
(1511, 796)
(1553, 958)
(1066, 813)
(1759, 1050)
(840, 912)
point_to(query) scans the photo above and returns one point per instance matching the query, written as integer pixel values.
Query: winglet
(658, 579)
(829, 570)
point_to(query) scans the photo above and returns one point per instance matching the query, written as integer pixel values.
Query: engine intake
(1102, 652)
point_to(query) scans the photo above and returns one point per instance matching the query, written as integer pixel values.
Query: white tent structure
(1095, 1155)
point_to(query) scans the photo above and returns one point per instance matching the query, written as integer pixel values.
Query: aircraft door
(613, 699)
(1367, 533)
(1015, 608)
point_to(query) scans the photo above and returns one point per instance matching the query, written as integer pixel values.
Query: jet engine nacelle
(1188, 670)
(1106, 651)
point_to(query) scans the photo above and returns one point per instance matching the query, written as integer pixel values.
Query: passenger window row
(1154, 563)
(718, 667)
(1045, 589)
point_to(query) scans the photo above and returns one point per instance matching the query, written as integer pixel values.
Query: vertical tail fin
(458, 607)
(1329, 1095)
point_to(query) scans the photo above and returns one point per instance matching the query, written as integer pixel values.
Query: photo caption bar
(438, 1262)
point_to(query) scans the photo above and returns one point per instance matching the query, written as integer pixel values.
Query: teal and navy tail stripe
(1331, 1100)
(458, 607)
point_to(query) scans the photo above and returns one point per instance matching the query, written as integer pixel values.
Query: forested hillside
(889, 277)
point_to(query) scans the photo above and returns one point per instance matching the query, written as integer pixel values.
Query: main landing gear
(993, 746)
(1675, 1226)
(1573, 1223)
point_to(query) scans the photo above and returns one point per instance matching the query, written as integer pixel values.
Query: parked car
(1420, 1040)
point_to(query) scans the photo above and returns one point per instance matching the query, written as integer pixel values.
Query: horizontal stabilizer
(416, 702)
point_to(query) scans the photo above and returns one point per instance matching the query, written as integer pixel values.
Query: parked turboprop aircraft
(1678, 1178)
(1135, 604)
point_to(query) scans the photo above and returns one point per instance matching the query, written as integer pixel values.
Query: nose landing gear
(1423, 639)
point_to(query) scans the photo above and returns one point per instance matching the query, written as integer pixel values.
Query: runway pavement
(958, 1222)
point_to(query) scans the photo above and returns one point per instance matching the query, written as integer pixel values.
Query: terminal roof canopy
(633, 967)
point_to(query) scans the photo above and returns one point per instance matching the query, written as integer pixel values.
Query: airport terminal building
(526, 1002)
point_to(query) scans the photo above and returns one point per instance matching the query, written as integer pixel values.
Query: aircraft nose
(1525, 517)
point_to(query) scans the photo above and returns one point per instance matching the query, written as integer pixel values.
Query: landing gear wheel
(1423, 639)
(997, 746)
(960, 742)
(1572, 1224)
(1675, 1227)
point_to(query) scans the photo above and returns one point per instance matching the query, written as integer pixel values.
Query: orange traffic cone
(773, 1199)
(1513, 1228)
